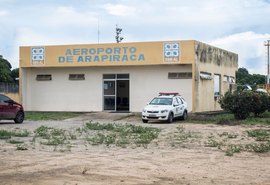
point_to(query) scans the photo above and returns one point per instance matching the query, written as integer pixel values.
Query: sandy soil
(167, 160)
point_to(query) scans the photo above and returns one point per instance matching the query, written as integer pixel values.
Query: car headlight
(144, 110)
(164, 111)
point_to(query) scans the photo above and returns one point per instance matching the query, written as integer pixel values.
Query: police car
(165, 107)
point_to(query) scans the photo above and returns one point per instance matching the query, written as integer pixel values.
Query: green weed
(228, 135)
(260, 134)
(121, 135)
(214, 143)
(231, 149)
(13, 141)
(259, 148)
(4, 134)
(21, 147)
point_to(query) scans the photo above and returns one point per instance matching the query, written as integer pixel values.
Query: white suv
(165, 107)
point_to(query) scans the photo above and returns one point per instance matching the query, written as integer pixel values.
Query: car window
(180, 100)
(3, 98)
(176, 102)
(161, 101)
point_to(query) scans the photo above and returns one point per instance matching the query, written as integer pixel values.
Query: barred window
(183, 75)
(76, 77)
(44, 77)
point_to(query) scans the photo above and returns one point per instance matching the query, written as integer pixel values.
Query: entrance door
(116, 92)
(122, 103)
(109, 95)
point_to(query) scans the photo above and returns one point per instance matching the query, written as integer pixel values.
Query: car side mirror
(147, 103)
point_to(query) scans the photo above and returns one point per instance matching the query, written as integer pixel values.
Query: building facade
(123, 76)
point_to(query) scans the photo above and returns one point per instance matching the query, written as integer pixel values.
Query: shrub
(241, 104)
(259, 103)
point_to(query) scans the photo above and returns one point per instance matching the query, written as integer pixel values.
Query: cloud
(68, 16)
(119, 9)
(250, 49)
(3, 13)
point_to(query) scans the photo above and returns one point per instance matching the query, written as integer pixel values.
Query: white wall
(61, 94)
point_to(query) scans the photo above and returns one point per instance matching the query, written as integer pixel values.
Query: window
(206, 76)
(122, 76)
(76, 77)
(225, 78)
(231, 79)
(184, 75)
(216, 85)
(109, 76)
(44, 77)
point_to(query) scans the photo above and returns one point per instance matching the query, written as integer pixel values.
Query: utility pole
(267, 44)
(118, 32)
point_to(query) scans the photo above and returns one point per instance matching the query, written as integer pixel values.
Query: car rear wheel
(184, 117)
(170, 118)
(19, 117)
(145, 121)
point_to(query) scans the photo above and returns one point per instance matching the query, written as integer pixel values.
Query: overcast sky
(240, 26)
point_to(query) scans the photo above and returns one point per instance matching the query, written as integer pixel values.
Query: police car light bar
(168, 93)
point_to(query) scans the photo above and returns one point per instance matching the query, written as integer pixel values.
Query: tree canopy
(243, 77)
(6, 74)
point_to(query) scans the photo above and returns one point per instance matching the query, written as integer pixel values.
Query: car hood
(156, 107)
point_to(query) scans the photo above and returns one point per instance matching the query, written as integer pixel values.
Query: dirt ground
(169, 159)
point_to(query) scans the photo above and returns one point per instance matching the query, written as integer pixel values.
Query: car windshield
(161, 101)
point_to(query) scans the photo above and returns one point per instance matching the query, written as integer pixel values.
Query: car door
(181, 106)
(176, 107)
(6, 108)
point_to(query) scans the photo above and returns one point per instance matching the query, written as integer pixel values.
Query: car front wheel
(145, 121)
(19, 117)
(170, 118)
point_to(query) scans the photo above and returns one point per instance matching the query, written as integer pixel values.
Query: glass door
(109, 91)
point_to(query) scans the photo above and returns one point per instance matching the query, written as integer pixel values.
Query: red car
(10, 110)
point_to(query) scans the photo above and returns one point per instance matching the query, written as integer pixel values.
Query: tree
(15, 73)
(6, 74)
(243, 77)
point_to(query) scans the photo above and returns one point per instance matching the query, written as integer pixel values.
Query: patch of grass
(214, 143)
(228, 119)
(231, 149)
(4, 134)
(54, 141)
(53, 136)
(21, 147)
(228, 135)
(13, 141)
(37, 116)
(181, 135)
(42, 131)
(264, 119)
(260, 134)
(120, 135)
(97, 139)
(258, 147)
(21, 133)
(122, 141)
(219, 118)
